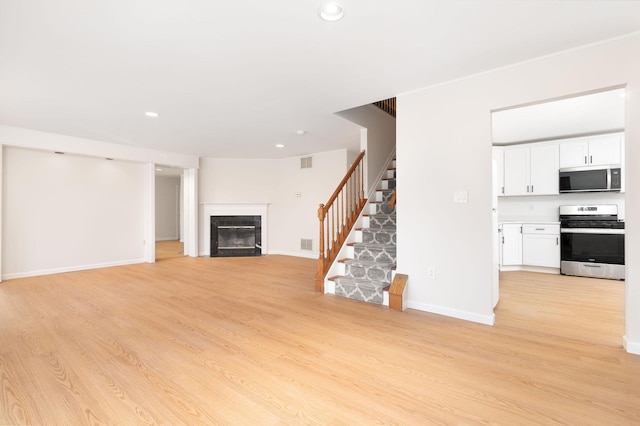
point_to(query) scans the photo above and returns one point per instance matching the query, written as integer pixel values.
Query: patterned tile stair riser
(371, 269)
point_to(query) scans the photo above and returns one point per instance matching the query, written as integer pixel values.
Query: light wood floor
(169, 249)
(246, 341)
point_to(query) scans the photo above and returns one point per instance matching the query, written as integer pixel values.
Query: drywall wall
(276, 183)
(65, 212)
(33, 139)
(578, 115)
(444, 146)
(167, 208)
(379, 139)
(294, 212)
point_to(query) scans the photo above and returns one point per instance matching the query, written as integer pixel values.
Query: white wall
(444, 145)
(140, 159)
(293, 218)
(578, 115)
(33, 139)
(276, 182)
(167, 208)
(65, 212)
(379, 139)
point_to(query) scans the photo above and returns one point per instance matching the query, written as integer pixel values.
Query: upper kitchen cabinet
(531, 169)
(498, 170)
(592, 151)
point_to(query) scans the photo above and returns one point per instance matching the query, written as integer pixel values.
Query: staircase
(371, 262)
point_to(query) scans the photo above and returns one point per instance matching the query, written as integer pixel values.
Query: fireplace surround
(209, 210)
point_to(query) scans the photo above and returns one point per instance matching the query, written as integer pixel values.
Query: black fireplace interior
(236, 236)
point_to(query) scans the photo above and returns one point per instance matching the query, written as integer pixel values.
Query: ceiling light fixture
(301, 132)
(151, 114)
(331, 11)
(279, 146)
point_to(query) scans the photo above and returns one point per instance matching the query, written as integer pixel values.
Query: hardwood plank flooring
(248, 341)
(169, 249)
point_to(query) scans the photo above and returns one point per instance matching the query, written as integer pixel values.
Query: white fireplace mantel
(232, 209)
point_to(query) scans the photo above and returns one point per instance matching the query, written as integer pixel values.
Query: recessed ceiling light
(151, 114)
(301, 132)
(279, 146)
(331, 11)
(158, 169)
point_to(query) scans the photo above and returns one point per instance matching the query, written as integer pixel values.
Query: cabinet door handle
(557, 240)
(502, 240)
(532, 189)
(585, 159)
(539, 229)
(503, 190)
(527, 189)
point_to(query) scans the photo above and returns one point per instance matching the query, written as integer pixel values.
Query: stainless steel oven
(592, 241)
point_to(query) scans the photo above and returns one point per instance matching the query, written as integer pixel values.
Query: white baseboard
(71, 269)
(455, 313)
(631, 347)
(283, 253)
(309, 255)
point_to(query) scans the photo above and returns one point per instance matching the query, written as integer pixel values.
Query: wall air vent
(306, 244)
(306, 162)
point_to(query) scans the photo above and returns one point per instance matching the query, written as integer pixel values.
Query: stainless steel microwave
(590, 179)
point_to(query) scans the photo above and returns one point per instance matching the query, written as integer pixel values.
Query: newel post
(321, 258)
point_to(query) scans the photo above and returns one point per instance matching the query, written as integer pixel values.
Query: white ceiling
(235, 78)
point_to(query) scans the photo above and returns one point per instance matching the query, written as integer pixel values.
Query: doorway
(169, 227)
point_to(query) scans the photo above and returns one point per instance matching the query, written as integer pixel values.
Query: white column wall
(444, 145)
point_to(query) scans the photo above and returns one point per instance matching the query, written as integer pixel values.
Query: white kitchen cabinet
(541, 245)
(511, 244)
(531, 170)
(498, 164)
(592, 151)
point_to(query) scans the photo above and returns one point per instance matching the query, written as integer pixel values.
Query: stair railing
(387, 105)
(338, 216)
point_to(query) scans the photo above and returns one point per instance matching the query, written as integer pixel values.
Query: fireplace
(236, 236)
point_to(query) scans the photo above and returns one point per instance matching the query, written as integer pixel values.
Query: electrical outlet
(431, 272)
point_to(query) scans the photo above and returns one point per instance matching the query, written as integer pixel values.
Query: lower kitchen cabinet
(533, 246)
(541, 245)
(511, 244)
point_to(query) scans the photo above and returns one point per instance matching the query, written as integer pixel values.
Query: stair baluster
(338, 216)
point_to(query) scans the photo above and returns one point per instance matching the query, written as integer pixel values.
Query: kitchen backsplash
(545, 208)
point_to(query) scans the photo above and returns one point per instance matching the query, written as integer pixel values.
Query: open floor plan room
(249, 341)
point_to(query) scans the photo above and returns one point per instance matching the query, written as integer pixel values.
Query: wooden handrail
(338, 216)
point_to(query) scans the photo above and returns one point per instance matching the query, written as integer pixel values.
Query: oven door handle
(591, 231)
